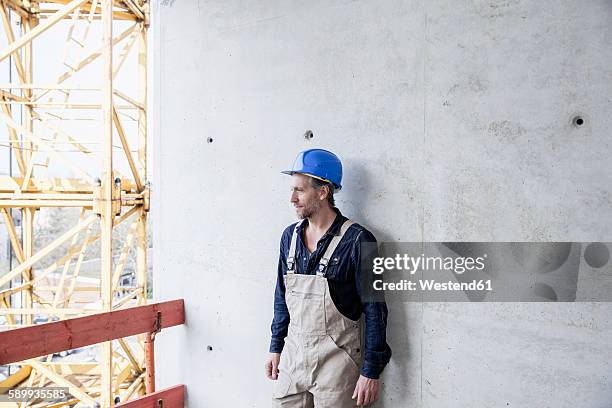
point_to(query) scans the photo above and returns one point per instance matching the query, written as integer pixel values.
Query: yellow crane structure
(83, 126)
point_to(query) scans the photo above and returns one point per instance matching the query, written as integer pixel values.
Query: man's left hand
(366, 391)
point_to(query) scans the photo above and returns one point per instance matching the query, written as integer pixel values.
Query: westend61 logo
(413, 264)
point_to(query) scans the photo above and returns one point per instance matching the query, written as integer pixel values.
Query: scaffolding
(68, 136)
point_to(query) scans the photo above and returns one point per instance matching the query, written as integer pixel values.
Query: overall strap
(291, 255)
(332, 247)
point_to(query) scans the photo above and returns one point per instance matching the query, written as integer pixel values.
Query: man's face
(304, 197)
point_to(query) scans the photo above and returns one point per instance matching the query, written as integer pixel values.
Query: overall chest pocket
(305, 295)
(305, 299)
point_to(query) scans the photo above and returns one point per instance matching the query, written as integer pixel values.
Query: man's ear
(325, 190)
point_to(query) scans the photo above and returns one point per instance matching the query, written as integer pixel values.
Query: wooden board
(172, 397)
(43, 339)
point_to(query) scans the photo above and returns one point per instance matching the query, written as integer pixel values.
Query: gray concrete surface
(454, 121)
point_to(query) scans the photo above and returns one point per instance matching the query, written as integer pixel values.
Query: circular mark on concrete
(308, 135)
(544, 292)
(541, 257)
(578, 120)
(209, 140)
(209, 348)
(596, 255)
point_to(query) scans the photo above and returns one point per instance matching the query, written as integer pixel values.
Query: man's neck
(322, 220)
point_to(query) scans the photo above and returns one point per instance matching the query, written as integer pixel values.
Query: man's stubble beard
(310, 209)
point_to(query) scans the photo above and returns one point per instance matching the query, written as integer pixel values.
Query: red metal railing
(47, 338)
(170, 398)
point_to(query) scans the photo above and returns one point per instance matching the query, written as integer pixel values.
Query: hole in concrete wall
(209, 140)
(308, 135)
(209, 348)
(578, 121)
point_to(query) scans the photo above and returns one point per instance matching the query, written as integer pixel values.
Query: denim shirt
(344, 275)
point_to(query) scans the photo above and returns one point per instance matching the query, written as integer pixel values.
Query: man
(315, 352)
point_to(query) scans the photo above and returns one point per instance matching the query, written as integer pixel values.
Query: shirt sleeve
(280, 322)
(377, 352)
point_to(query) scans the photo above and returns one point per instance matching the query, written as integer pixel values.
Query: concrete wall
(453, 119)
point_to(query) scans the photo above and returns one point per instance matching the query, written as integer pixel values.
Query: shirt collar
(334, 229)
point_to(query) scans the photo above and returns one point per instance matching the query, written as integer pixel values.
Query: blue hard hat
(318, 163)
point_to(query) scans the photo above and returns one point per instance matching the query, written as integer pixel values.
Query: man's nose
(293, 197)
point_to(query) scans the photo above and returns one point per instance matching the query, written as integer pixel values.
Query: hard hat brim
(291, 173)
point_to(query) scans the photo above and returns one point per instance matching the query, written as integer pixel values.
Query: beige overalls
(320, 361)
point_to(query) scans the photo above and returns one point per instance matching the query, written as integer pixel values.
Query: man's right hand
(272, 366)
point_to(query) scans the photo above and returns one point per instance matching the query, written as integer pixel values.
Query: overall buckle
(322, 265)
